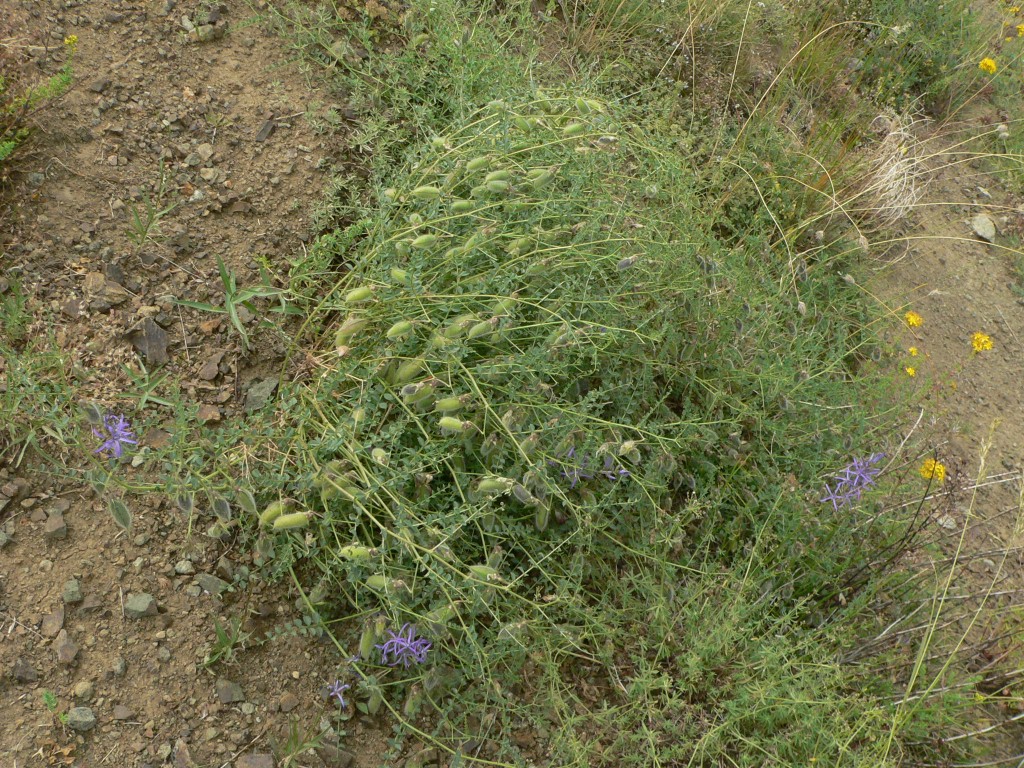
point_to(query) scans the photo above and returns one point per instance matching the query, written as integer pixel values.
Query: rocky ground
(195, 110)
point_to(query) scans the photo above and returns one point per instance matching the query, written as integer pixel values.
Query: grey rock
(259, 393)
(121, 712)
(72, 592)
(53, 623)
(141, 540)
(288, 702)
(119, 667)
(184, 568)
(65, 648)
(255, 760)
(205, 151)
(99, 85)
(229, 692)
(23, 672)
(4, 539)
(984, 227)
(137, 606)
(212, 584)
(163, 653)
(333, 757)
(248, 708)
(55, 528)
(81, 719)
(182, 757)
(193, 590)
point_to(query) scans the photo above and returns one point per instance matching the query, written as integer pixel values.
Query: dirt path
(194, 108)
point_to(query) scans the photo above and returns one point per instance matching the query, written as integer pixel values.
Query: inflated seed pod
(408, 371)
(463, 206)
(499, 175)
(401, 276)
(478, 163)
(390, 194)
(379, 583)
(541, 180)
(414, 219)
(438, 142)
(413, 702)
(523, 496)
(574, 129)
(352, 325)
(478, 191)
(366, 642)
(494, 485)
(542, 516)
(451, 424)
(356, 552)
(360, 294)
(292, 520)
(457, 328)
(448, 404)
(503, 306)
(522, 123)
(498, 187)
(426, 193)
(424, 241)
(484, 573)
(273, 511)
(380, 456)
(402, 248)
(419, 40)
(497, 105)
(417, 394)
(399, 330)
(482, 328)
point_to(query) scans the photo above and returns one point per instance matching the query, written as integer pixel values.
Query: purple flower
(403, 647)
(116, 433)
(337, 690)
(851, 481)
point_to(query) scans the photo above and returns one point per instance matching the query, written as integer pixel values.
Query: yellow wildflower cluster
(981, 342)
(913, 319)
(911, 371)
(932, 469)
(71, 41)
(913, 351)
(987, 65)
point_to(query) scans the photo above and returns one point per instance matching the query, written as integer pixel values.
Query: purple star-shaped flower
(852, 480)
(403, 647)
(337, 690)
(116, 433)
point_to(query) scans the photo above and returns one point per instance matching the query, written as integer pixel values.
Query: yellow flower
(71, 40)
(913, 351)
(911, 371)
(987, 65)
(913, 319)
(1020, 30)
(933, 469)
(981, 342)
(1015, 9)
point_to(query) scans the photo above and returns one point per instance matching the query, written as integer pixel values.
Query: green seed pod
(542, 517)
(574, 129)
(357, 295)
(534, 173)
(451, 424)
(349, 329)
(293, 520)
(523, 496)
(448, 404)
(494, 485)
(531, 444)
(402, 248)
(457, 328)
(414, 219)
(380, 456)
(418, 394)
(378, 582)
(522, 123)
(358, 417)
(542, 180)
(419, 40)
(366, 642)
(482, 328)
(426, 193)
(424, 241)
(478, 191)
(390, 194)
(356, 552)
(478, 163)
(399, 330)
(408, 371)
(401, 276)
(498, 187)
(413, 702)
(273, 511)
(502, 307)
(438, 142)
(499, 175)
(463, 206)
(497, 105)
(483, 573)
